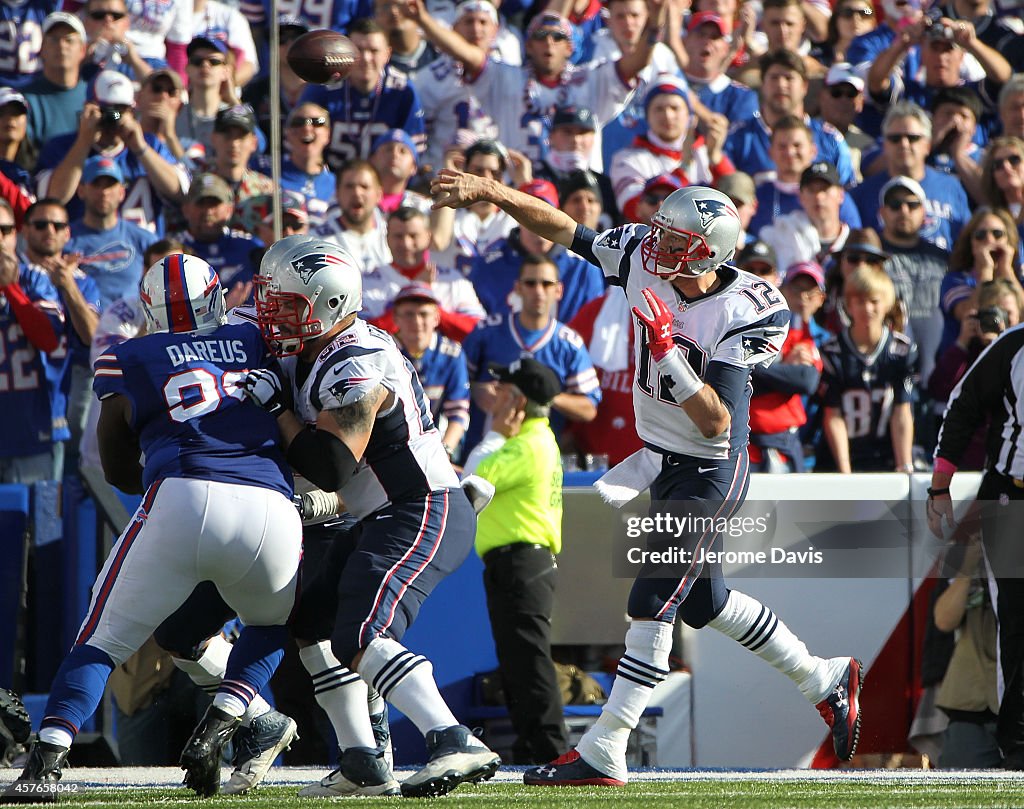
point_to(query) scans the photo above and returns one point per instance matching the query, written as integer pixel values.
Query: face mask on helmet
(303, 290)
(693, 232)
(182, 294)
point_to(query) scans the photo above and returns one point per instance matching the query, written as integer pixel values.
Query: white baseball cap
(843, 73)
(908, 183)
(111, 87)
(64, 18)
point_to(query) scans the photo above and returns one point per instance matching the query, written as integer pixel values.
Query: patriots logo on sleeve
(761, 345)
(309, 265)
(711, 209)
(612, 239)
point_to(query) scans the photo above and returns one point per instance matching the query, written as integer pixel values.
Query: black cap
(577, 180)
(961, 97)
(574, 116)
(240, 115)
(537, 382)
(757, 251)
(820, 171)
(207, 43)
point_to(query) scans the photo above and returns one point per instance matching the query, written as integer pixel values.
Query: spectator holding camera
(986, 249)
(108, 127)
(108, 45)
(56, 94)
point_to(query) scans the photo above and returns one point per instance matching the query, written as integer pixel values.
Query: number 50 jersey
(723, 334)
(192, 419)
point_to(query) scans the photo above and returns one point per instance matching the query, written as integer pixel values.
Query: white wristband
(319, 506)
(682, 381)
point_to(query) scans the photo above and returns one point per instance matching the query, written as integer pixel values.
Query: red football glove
(659, 330)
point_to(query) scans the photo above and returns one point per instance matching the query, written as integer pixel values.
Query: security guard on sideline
(517, 537)
(993, 388)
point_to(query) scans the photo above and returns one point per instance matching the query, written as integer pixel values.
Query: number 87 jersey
(741, 323)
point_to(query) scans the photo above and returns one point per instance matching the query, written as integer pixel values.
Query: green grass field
(732, 791)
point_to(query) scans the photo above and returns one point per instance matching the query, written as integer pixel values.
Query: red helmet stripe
(179, 307)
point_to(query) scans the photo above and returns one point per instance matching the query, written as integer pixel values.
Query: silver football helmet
(693, 232)
(182, 294)
(305, 286)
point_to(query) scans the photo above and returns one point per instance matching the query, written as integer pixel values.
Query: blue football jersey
(31, 402)
(318, 189)
(231, 255)
(112, 258)
(748, 142)
(142, 206)
(21, 35)
(773, 202)
(192, 419)
(865, 388)
(334, 14)
(445, 379)
(735, 101)
(357, 119)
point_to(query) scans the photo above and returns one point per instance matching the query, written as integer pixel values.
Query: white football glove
(479, 491)
(264, 387)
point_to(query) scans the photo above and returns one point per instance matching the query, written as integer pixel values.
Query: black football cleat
(841, 711)
(256, 748)
(362, 772)
(202, 754)
(456, 757)
(43, 767)
(569, 770)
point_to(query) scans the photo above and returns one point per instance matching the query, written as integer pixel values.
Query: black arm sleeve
(322, 458)
(730, 382)
(780, 378)
(583, 244)
(981, 390)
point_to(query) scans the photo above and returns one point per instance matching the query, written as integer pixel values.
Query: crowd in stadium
(874, 153)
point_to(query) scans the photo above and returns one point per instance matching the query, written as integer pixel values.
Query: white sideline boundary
(141, 777)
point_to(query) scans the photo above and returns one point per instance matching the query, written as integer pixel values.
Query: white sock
(208, 671)
(754, 626)
(230, 704)
(406, 681)
(642, 667)
(57, 736)
(342, 695)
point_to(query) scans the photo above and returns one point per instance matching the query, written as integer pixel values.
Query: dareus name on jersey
(208, 351)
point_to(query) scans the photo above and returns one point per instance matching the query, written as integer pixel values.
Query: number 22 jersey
(723, 334)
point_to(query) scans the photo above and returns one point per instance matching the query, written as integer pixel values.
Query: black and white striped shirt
(993, 387)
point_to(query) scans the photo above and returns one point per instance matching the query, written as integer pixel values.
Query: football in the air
(322, 56)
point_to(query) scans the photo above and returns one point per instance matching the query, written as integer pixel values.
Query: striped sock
(754, 626)
(342, 695)
(208, 671)
(406, 681)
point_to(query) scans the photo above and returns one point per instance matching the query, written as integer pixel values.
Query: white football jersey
(454, 291)
(369, 249)
(472, 237)
(405, 458)
(449, 106)
(741, 324)
(632, 168)
(522, 106)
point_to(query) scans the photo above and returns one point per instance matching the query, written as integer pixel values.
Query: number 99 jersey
(723, 334)
(192, 419)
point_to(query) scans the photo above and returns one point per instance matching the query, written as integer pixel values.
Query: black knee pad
(707, 598)
(202, 615)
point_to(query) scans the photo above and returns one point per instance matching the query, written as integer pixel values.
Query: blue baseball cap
(396, 136)
(98, 166)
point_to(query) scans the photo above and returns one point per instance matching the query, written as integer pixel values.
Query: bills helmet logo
(710, 209)
(309, 265)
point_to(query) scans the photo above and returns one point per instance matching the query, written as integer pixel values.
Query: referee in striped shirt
(993, 389)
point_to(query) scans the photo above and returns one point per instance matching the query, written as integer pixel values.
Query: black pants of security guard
(519, 580)
(1002, 512)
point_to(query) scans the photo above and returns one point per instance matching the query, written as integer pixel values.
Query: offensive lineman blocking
(690, 395)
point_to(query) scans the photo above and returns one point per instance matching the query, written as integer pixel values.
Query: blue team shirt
(334, 14)
(748, 142)
(231, 255)
(112, 258)
(142, 205)
(192, 419)
(357, 119)
(946, 206)
(21, 34)
(862, 52)
(735, 101)
(773, 202)
(501, 339)
(445, 379)
(318, 189)
(31, 401)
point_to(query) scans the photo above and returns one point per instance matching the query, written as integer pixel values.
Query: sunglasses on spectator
(6, 230)
(983, 233)
(1013, 160)
(299, 123)
(163, 88)
(44, 224)
(654, 199)
(900, 204)
(847, 13)
(843, 91)
(537, 282)
(759, 269)
(558, 36)
(212, 61)
(855, 257)
(101, 14)
(898, 137)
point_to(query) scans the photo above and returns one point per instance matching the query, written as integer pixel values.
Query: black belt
(514, 547)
